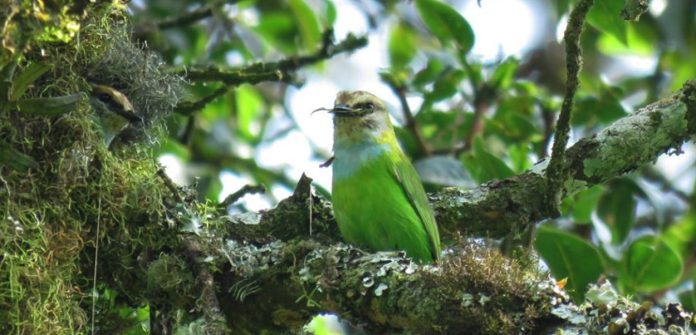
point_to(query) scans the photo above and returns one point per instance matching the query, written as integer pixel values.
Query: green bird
(378, 198)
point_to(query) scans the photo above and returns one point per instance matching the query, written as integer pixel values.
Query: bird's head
(360, 116)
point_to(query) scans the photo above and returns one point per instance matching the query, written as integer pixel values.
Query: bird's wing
(407, 177)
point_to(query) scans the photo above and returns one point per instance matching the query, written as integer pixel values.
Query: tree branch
(282, 71)
(278, 286)
(187, 18)
(383, 292)
(190, 107)
(556, 172)
(411, 124)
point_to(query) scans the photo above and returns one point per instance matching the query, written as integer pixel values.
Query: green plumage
(378, 198)
(383, 206)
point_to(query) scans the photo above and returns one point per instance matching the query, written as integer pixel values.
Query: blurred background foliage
(474, 87)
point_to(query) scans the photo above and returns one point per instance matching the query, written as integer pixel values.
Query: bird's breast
(349, 158)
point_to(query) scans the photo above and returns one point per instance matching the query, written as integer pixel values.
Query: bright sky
(523, 29)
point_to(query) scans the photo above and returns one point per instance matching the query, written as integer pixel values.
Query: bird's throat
(350, 157)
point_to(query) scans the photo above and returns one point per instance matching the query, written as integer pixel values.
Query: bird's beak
(342, 110)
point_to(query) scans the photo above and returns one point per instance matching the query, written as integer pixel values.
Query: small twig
(633, 9)
(190, 107)
(651, 174)
(246, 189)
(328, 162)
(188, 130)
(187, 18)
(556, 171)
(170, 185)
(411, 124)
(548, 118)
(208, 301)
(482, 102)
(252, 74)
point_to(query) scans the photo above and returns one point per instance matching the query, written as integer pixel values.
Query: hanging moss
(60, 182)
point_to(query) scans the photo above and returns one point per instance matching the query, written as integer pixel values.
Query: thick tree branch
(280, 285)
(277, 287)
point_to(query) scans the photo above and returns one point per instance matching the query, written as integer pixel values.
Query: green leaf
(604, 15)
(484, 166)
(15, 159)
(519, 155)
(688, 298)
(512, 124)
(429, 73)
(278, 29)
(249, 106)
(402, 45)
(307, 22)
(651, 264)
(640, 40)
(504, 73)
(21, 83)
(443, 170)
(590, 110)
(330, 13)
(446, 24)
(569, 256)
(581, 205)
(322, 325)
(442, 129)
(681, 234)
(49, 106)
(173, 147)
(617, 208)
(446, 85)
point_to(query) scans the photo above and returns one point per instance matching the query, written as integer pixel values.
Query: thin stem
(411, 123)
(555, 171)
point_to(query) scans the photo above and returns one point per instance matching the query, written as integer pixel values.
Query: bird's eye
(365, 105)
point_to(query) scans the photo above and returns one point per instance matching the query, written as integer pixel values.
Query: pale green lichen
(637, 139)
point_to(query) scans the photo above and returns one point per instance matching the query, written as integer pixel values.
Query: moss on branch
(280, 285)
